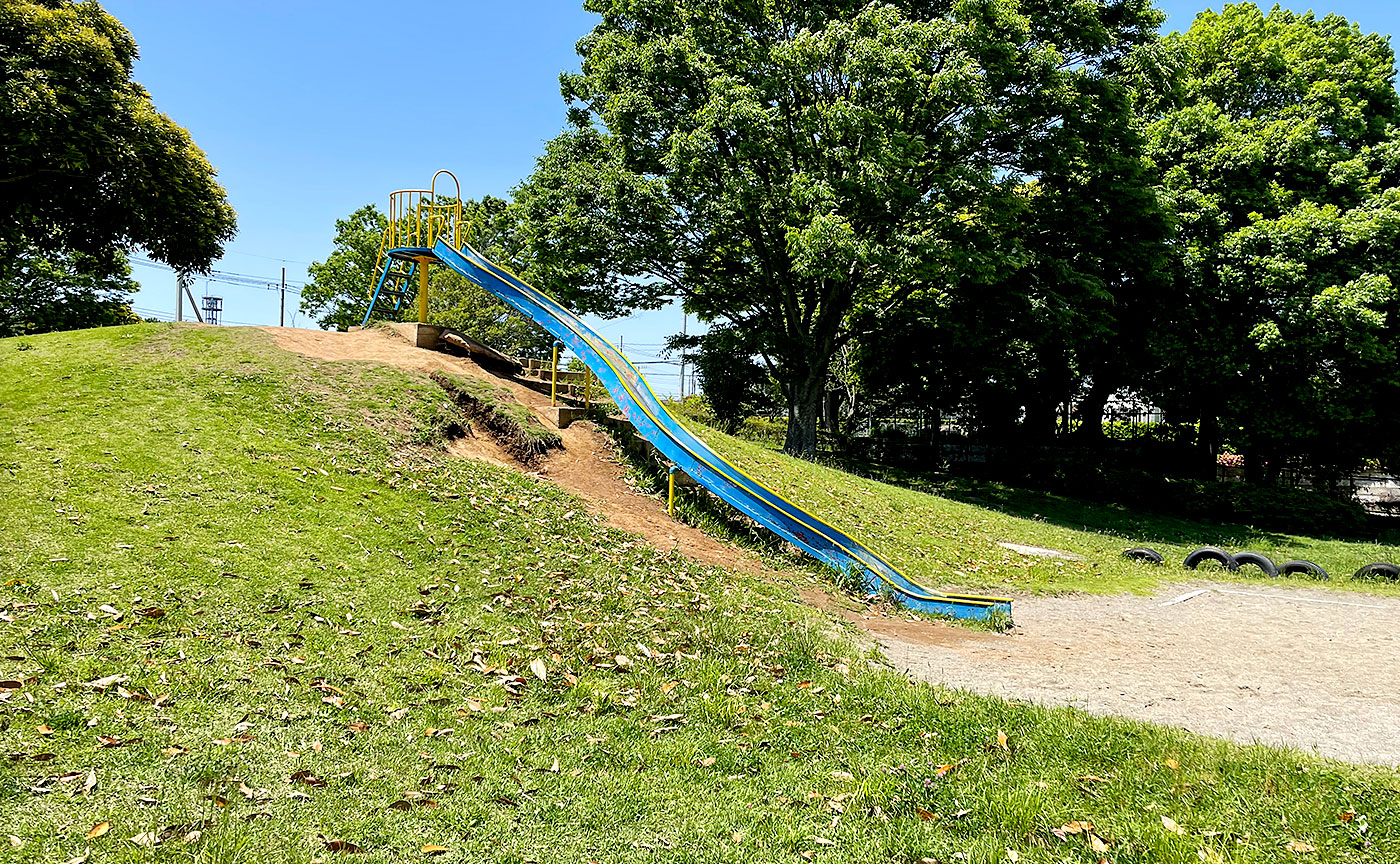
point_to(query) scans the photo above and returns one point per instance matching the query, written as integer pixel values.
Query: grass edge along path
(252, 612)
(944, 542)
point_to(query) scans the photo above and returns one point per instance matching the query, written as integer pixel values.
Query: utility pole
(282, 315)
(180, 296)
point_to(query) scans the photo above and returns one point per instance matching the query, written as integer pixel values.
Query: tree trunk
(1039, 425)
(1207, 439)
(1089, 412)
(804, 406)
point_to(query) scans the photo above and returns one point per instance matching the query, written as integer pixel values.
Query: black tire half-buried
(1143, 554)
(1258, 559)
(1210, 553)
(1300, 567)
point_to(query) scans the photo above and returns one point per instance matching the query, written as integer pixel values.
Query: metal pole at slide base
(554, 376)
(423, 290)
(671, 492)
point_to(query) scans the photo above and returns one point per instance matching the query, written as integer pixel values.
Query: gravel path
(1318, 670)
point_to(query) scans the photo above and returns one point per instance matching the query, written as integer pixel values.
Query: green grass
(323, 630)
(944, 540)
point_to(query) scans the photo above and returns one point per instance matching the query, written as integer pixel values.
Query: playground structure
(426, 227)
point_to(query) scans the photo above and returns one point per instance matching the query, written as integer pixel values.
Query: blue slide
(693, 456)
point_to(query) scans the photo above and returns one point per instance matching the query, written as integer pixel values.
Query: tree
(735, 383)
(87, 164)
(782, 167)
(42, 293)
(341, 287)
(1276, 143)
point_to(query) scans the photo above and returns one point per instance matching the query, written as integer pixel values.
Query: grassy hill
(943, 541)
(252, 611)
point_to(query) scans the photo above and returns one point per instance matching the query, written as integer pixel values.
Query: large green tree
(1277, 148)
(782, 166)
(341, 286)
(87, 163)
(43, 292)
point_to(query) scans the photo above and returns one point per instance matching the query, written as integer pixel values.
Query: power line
(225, 277)
(266, 257)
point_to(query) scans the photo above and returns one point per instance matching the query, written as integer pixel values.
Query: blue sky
(312, 109)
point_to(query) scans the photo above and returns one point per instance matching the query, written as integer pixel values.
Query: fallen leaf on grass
(431, 849)
(842, 775)
(1078, 826)
(1170, 824)
(342, 846)
(45, 730)
(401, 805)
(1001, 740)
(104, 683)
(1097, 843)
(537, 667)
(98, 830)
(1299, 847)
(90, 783)
(145, 838)
(81, 859)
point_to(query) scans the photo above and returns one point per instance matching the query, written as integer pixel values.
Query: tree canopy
(87, 163)
(41, 292)
(783, 167)
(1276, 144)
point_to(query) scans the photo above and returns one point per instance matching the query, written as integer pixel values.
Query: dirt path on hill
(588, 466)
(1314, 669)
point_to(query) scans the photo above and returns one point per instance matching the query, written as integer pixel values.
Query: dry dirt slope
(1313, 670)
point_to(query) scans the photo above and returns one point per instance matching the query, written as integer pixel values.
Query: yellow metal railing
(418, 217)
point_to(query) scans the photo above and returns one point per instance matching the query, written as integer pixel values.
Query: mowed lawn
(946, 542)
(252, 612)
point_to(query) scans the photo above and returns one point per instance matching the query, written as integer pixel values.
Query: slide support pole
(671, 492)
(554, 376)
(423, 289)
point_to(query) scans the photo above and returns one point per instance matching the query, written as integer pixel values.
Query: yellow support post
(554, 377)
(422, 289)
(671, 493)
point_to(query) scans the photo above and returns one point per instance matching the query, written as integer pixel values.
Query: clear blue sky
(311, 109)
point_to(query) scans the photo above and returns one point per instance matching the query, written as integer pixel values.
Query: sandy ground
(1310, 668)
(1319, 670)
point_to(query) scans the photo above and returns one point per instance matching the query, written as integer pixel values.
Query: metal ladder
(394, 282)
